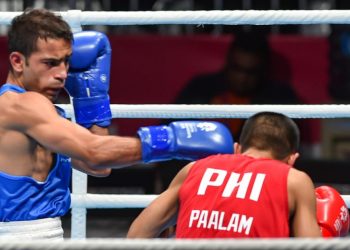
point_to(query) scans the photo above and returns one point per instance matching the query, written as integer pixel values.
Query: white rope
(111, 201)
(156, 244)
(226, 17)
(222, 111)
(125, 201)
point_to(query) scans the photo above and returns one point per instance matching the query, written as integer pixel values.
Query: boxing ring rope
(157, 244)
(125, 200)
(221, 111)
(81, 200)
(225, 17)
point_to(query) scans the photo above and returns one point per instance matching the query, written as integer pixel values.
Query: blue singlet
(23, 198)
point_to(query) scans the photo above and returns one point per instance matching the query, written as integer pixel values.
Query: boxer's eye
(66, 60)
(52, 63)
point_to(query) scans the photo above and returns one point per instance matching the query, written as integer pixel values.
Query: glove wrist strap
(156, 143)
(92, 110)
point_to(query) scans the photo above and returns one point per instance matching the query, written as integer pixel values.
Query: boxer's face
(45, 70)
(243, 72)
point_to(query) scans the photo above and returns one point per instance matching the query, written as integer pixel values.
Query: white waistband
(48, 228)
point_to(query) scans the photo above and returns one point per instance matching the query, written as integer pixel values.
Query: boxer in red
(254, 192)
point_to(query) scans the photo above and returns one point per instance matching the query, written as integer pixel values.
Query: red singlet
(229, 196)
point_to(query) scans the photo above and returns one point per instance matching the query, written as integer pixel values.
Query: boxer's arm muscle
(301, 192)
(35, 116)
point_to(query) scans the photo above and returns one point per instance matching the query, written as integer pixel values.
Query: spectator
(244, 79)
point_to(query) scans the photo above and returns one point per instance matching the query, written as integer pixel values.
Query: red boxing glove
(332, 212)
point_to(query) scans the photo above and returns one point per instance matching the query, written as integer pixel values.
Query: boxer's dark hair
(273, 132)
(32, 24)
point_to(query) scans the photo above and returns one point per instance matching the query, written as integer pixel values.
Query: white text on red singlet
(232, 183)
(215, 219)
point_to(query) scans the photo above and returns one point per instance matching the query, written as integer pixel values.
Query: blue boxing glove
(186, 140)
(88, 79)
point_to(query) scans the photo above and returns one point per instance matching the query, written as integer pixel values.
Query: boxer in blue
(38, 144)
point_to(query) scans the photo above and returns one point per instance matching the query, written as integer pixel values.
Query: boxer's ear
(17, 61)
(292, 158)
(237, 148)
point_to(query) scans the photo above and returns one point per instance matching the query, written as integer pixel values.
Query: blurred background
(155, 64)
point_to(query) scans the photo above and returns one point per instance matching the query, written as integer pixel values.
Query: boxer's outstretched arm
(34, 115)
(302, 204)
(161, 213)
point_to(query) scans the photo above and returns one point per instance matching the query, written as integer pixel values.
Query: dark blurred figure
(339, 85)
(244, 79)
